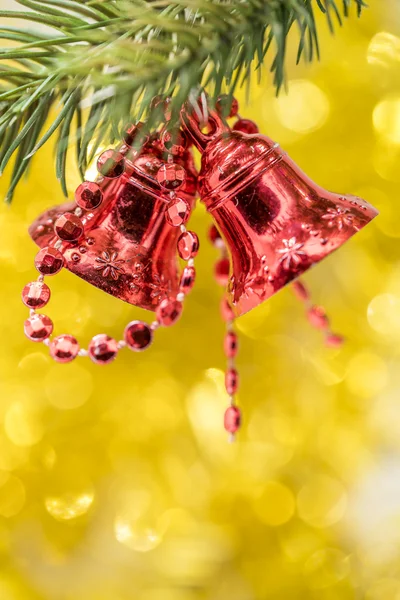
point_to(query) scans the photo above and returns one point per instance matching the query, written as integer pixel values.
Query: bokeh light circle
(322, 502)
(304, 109)
(386, 118)
(276, 505)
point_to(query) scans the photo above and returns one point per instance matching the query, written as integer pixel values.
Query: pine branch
(113, 56)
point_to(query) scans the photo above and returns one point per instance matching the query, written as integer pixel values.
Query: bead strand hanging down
(232, 417)
(317, 316)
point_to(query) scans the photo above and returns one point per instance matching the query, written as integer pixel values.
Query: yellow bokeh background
(117, 482)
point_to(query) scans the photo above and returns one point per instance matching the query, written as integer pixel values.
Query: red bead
(131, 133)
(111, 164)
(178, 212)
(49, 261)
(64, 348)
(232, 419)
(187, 279)
(214, 235)
(36, 294)
(103, 349)
(174, 143)
(88, 195)
(221, 271)
(68, 227)
(231, 381)
(300, 291)
(228, 106)
(334, 340)
(158, 101)
(231, 344)
(246, 126)
(318, 318)
(188, 245)
(226, 311)
(138, 335)
(171, 176)
(38, 327)
(168, 311)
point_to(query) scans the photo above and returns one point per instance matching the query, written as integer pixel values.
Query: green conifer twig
(113, 55)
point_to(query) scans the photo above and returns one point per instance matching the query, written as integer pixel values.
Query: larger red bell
(276, 222)
(128, 249)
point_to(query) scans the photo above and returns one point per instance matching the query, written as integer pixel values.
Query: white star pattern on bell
(292, 253)
(338, 216)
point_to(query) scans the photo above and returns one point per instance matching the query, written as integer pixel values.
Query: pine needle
(112, 56)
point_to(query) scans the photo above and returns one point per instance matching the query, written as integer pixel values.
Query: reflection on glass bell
(276, 222)
(128, 248)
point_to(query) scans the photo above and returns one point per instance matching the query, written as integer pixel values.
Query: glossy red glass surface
(131, 133)
(187, 279)
(188, 245)
(88, 195)
(227, 313)
(103, 349)
(221, 271)
(232, 419)
(334, 340)
(64, 348)
(36, 294)
(169, 311)
(128, 250)
(138, 335)
(111, 164)
(300, 291)
(174, 143)
(214, 235)
(178, 212)
(49, 261)
(245, 126)
(68, 227)
(38, 327)
(171, 176)
(226, 105)
(231, 381)
(231, 344)
(318, 318)
(276, 222)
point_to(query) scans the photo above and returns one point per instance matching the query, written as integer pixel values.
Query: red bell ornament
(276, 222)
(127, 246)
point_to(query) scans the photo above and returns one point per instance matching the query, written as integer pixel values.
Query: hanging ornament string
(317, 316)
(199, 104)
(232, 417)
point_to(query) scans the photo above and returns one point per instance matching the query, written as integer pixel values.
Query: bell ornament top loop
(193, 127)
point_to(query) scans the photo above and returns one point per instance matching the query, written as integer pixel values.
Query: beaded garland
(232, 417)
